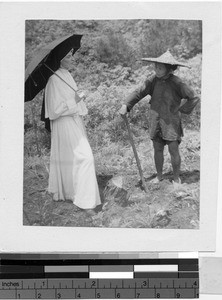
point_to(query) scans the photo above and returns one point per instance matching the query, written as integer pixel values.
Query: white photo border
(18, 238)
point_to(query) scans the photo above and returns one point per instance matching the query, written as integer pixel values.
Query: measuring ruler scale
(99, 278)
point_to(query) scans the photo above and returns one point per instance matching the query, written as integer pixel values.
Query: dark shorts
(160, 140)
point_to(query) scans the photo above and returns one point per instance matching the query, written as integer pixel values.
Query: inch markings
(99, 278)
(143, 288)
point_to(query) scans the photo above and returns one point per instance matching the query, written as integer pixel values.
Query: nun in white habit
(72, 171)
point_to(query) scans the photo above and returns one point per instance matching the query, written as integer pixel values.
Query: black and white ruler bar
(97, 278)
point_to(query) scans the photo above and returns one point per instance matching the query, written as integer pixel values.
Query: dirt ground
(127, 206)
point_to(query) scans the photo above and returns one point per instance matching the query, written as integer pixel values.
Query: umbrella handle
(78, 98)
(135, 151)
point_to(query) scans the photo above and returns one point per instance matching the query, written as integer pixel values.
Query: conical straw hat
(165, 58)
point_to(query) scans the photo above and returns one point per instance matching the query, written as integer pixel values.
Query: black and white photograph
(110, 126)
(112, 123)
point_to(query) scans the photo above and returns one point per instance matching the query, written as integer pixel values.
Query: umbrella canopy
(46, 61)
(165, 58)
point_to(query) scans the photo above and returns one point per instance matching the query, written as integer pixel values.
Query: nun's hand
(123, 110)
(80, 96)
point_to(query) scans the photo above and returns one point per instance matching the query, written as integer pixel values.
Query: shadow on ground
(102, 180)
(185, 176)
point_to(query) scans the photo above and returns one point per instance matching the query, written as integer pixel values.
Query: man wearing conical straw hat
(166, 91)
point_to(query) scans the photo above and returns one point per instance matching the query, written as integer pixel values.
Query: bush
(36, 138)
(113, 49)
(108, 70)
(183, 38)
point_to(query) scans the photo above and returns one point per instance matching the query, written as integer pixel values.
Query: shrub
(108, 70)
(113, 49)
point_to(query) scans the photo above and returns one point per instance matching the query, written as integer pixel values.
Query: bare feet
(176, 184)
(156, 180)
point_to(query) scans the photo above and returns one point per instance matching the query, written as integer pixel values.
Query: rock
(115, 190)
(161, 219)
(194, 223)
(162, 213)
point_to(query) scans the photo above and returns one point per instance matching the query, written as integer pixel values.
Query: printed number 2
(93, 284)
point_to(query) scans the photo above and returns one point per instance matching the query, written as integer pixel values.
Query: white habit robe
(72, 171)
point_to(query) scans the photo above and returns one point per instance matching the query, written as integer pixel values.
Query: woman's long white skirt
(72, 171)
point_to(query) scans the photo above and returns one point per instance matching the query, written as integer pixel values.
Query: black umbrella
(46, 61)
